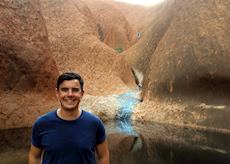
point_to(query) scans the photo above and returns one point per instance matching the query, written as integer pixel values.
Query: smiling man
(68, 135)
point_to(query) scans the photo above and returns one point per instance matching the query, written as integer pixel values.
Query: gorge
(162, 70)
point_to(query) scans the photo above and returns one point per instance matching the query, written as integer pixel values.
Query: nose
(70, 92)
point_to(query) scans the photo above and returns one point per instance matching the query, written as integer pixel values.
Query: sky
(141, 2)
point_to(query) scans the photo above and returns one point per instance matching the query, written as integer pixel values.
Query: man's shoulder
(46, 117)
(91, 116)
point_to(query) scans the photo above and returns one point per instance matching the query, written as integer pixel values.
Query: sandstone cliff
(39, 40)
(26, 61)
(112, 25)
(73, 33)
(26, 66)
(138, 16)
(183, 56)
(180, 59)
(185, 51)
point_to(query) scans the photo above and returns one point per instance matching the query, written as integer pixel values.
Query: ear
(56, 92)
(82, 93)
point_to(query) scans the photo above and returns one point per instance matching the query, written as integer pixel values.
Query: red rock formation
(181, 59)
(136, 15)
(184, 47)
(24, 48)
(112, 26)
(140, 54)
(192, 57)
(72, 31)
(26, 65)
(185, 62)
(28, 69)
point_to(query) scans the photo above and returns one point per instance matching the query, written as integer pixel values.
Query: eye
(64, 89)
(76, 89)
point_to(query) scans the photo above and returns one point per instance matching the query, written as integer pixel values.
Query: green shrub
(119, 49)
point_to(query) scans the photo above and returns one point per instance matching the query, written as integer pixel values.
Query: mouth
(69, 100)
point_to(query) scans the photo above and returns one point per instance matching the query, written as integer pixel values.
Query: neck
(69, 115)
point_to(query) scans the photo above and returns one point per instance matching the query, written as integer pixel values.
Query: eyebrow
(70, 88)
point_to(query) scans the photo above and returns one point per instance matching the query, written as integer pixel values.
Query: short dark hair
(69, 76)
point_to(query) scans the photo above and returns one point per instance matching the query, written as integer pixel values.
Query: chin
(70, 107)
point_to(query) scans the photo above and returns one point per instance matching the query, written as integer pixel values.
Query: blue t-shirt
(68, 142)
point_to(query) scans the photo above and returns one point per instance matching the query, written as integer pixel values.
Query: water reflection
(155, 143)
(145, 143)
(118, 126)
(14, 145)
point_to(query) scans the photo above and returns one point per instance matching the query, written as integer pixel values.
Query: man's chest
(68, 139)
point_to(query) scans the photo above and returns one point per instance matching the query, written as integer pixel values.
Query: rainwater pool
(138, 143)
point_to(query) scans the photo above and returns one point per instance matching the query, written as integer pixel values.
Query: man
(68, 135)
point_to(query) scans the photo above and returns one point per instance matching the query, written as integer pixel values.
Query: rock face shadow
(151, 143)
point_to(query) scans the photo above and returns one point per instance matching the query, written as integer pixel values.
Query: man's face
(69, 94)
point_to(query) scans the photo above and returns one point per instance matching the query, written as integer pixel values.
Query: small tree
(119, 49)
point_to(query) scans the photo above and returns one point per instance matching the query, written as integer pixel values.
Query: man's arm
(103, 153)
(35, 155)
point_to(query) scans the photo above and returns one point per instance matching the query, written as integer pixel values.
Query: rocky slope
(26, 61)
(183, 58)
(112, 25)
(26, 66)
(73, 35)
(180, 60)
(39, 40)
(138, 16)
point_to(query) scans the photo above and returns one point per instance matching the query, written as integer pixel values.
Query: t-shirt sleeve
(101, 135)
(36, 138)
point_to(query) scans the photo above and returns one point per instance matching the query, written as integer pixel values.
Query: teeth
(69, 100)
